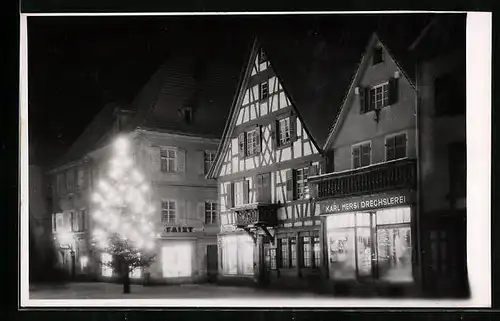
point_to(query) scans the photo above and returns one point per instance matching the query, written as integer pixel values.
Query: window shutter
(329, 158)
(258, 141)
(67, 221)
(367, 99)
(230, 196)
(54, 223)
(181, 160)
(293, 127)
(362, 100)
(180, 212)
(246, 190)
(241, 145)
(393, 90)
(155, 158)
(200, 161)
(274, 134)
(291, 175)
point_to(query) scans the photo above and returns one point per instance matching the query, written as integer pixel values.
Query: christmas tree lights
(123, 216)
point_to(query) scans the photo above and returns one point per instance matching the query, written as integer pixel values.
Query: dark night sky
(77, 65)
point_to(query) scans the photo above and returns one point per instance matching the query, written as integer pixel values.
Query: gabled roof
(311, 72)
(442, 33)
(346, 104)
(180, 82)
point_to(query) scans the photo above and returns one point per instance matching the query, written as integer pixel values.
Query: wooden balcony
(381, 177)
(264, 215)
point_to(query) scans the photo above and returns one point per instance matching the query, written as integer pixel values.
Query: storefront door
(212, 261)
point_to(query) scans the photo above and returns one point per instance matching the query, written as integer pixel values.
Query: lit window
(83, 262)
(237, 255)
(272, 254)
(316, 252)
(361, 155)
(302, 187)
(285, 258)
(284, 131)
(240, 190)
(168, 160)
(176, 259)
(395, 147)
(306, 246)
(106, 261)
(379, 96)
(208, 158)
(293, 252)
(70, 180)
(264, 90)
(168, 211)
(210, 212)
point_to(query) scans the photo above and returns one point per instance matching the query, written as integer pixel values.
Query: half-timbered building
(270, 228)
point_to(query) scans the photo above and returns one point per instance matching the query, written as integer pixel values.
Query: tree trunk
(126, 278)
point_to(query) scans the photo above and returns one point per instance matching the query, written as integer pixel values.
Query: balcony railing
(376, 178)
(256, 214)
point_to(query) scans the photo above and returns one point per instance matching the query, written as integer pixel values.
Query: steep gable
(350, 119)
(260, 80)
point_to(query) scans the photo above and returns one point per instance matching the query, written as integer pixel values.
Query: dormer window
(186, 113)
(378, 55)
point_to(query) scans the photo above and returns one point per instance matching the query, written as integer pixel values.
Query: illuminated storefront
(176, 259)
(237, 254)
(370, 238)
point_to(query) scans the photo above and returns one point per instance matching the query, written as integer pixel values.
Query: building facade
(443, 172)
(368, 197)
(269, 225)
(174, 145)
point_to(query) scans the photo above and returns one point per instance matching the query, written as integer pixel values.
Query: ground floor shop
(181, 257)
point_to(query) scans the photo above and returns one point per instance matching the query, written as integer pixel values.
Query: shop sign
(366, 203)
(182, 229)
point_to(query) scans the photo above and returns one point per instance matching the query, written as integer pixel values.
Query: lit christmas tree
(123, 217)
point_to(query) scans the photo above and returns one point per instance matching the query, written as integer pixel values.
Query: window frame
(211, 211)
(164, 159)
(360, 146)
(280, 140)
(264, 91)
(251, 144)
(168, 210)
(393, 136)
(208, 160)
(384, 101)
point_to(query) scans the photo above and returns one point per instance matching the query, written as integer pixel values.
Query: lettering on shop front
(365, 203)
(178, 229)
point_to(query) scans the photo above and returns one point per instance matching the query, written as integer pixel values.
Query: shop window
(237, 255)
(353, 238)
(284, 251)
(293, 252)
(306, 251)
(316, 252)
(272, 255)
(176, 259)
(106, 261)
